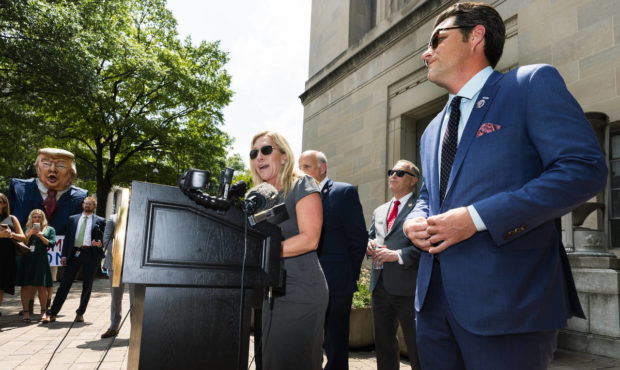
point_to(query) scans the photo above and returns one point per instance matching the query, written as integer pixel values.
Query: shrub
(361, 298)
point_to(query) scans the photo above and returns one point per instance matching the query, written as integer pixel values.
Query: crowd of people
(472, 267)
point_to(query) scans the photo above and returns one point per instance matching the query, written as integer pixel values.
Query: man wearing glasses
(502, 162)
(395, 268)
(82, 248)
(53, 192)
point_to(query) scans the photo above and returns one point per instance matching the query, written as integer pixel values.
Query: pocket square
(487, 128)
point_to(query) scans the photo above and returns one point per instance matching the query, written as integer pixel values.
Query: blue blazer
(538, 161)
(342, 246)
(98, 222)
(24, 196)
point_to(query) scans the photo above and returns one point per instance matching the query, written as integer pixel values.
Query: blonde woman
(293, 324)
(33, 269)
(9, 229)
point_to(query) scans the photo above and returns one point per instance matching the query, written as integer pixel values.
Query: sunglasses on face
(400, 173)
(266, 150)
(434, 42)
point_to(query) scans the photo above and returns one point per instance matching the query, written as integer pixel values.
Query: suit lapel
(487, 94)
(325, 191)
(402, 214)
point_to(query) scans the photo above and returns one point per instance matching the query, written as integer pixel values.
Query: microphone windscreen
(265, 191)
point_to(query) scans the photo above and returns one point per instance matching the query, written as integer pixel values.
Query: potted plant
(360, 326)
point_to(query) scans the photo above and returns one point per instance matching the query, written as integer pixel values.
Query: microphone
(262, 196)
(225, 180)
(274, 215)
(238, 189)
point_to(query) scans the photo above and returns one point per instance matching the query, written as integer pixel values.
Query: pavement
(67, 345)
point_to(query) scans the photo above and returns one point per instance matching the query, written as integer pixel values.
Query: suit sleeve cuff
(480, 226)
(400, 257)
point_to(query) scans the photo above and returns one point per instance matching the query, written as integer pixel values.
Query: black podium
(186, 262)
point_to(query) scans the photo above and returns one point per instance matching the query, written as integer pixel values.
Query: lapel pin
(480, 103)
(409, 205)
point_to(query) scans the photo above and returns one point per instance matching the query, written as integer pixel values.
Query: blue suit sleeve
(573, 163)
(421, 205)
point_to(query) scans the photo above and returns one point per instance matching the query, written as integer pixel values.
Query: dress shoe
(48, 319)
(79, 318)
(109, 333)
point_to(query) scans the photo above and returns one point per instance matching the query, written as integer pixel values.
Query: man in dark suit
(341, 251)
(518, 153)
(52, 192)
(395, 268)
(84, 234)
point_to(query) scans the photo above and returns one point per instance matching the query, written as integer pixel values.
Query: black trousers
(387, 311)
(90, 260)
(336, 340)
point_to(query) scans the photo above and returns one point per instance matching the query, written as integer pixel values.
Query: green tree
(111, 82)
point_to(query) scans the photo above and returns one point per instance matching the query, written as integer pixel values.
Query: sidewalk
(30, 346)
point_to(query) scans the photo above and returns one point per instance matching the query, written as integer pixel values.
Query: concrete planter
(360, 328)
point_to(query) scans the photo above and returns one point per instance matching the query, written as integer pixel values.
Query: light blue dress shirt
(469, 93)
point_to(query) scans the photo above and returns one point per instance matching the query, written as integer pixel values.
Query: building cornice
(334, 72)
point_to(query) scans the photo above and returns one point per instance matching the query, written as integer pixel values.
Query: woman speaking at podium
(293, 323)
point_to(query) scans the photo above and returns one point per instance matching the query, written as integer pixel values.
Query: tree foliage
(111, 82)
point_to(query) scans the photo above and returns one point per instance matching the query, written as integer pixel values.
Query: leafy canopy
(111, 82)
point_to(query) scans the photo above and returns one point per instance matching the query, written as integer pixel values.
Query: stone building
(367, 102)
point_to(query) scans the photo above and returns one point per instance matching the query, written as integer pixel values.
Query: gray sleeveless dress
(293, 325)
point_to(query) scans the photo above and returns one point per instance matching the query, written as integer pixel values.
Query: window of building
(362, 18)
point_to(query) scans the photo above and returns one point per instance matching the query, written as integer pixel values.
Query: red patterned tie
(50, 203)
(393, 214)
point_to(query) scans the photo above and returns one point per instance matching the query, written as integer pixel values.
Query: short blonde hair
(56, 152)
(288, 173)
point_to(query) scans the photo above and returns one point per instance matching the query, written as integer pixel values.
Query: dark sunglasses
(400, 173)
(266, 150)
(434, 42)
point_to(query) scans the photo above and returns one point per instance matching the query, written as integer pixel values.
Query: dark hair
(7, 210)
(471, 14)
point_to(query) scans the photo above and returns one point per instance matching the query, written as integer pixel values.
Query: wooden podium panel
(186, 262)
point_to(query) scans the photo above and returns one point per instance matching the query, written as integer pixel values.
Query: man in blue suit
(82, 248)
(502, 162)
(341, 251)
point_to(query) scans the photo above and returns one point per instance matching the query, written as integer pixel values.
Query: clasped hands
(381, 254)
(437, 233)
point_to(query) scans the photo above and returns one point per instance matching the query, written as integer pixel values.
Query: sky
(267, 42)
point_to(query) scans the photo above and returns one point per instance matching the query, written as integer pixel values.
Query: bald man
(341, 250)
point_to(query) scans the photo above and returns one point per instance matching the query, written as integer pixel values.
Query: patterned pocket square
(487, 128)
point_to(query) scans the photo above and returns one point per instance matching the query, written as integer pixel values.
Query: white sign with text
(55, 254)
